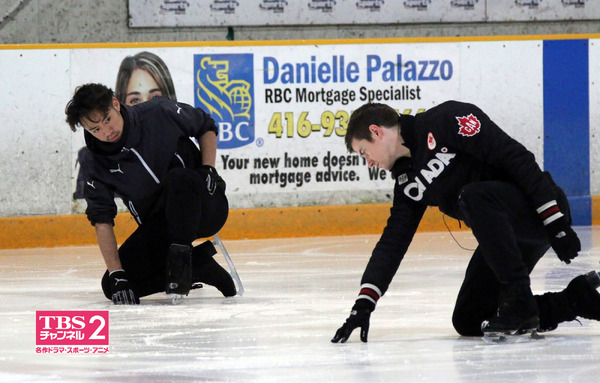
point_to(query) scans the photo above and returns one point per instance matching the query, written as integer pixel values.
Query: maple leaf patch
(431, 141)
(468, 125)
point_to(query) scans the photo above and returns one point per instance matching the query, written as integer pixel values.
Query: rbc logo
(223, 86)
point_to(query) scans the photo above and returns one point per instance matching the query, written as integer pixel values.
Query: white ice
(297, 293)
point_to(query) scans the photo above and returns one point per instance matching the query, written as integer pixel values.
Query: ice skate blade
(520, 336)
(176, 298)
(233, 272)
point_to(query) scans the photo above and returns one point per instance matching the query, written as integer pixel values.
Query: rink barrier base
(257, 223)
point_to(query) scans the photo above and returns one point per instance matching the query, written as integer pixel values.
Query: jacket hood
(407, 130)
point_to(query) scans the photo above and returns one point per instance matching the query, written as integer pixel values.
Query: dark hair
(365, 116)
(87, 99)
(152, 64)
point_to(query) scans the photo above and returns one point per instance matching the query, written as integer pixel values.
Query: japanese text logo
(65, 330)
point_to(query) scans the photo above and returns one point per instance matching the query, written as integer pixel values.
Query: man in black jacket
(454, 157)
(144, 155)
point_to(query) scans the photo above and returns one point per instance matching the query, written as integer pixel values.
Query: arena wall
(538, 85)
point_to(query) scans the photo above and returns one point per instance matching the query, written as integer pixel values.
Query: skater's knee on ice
(467, 328)
(466, 324)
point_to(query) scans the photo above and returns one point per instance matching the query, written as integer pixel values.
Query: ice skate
(517, 315)
(179, 271)
(579, 299)
(519, 337)
(206, 270)
(234, 274)
(178, 298)
(584, 297)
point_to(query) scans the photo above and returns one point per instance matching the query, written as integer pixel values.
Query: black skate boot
(579, 299)
(206, 270)
(179, 270)
(517, 313)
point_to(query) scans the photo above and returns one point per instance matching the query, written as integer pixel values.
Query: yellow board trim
(258, 223)
(595, 210)
(287, 222)
(239, 43)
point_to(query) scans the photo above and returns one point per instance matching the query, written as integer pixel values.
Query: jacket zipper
(145, 165)
(134, 213)
(154, 177)
(180, 159)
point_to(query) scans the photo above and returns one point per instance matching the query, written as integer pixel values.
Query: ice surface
(297, 293)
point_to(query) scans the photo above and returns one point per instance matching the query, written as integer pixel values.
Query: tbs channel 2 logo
(224, 87)
(82, 332)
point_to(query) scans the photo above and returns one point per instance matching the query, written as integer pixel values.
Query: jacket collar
(407, 130)
(110, 148)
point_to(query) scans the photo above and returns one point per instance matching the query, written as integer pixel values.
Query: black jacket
(452, 145)
(155, 139)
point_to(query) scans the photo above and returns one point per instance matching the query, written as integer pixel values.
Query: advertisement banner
(534, 10)
(173, 13)
(283, 111)
(168, 13)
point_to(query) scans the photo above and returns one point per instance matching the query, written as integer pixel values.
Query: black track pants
(511, 240)
(186, 212)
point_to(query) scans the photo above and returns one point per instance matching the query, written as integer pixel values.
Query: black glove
(556, 216)
(563, 239)
(359, 317)
(213, 179)
(120, 290)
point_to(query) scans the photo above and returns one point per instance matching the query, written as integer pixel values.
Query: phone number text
(290, 124)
